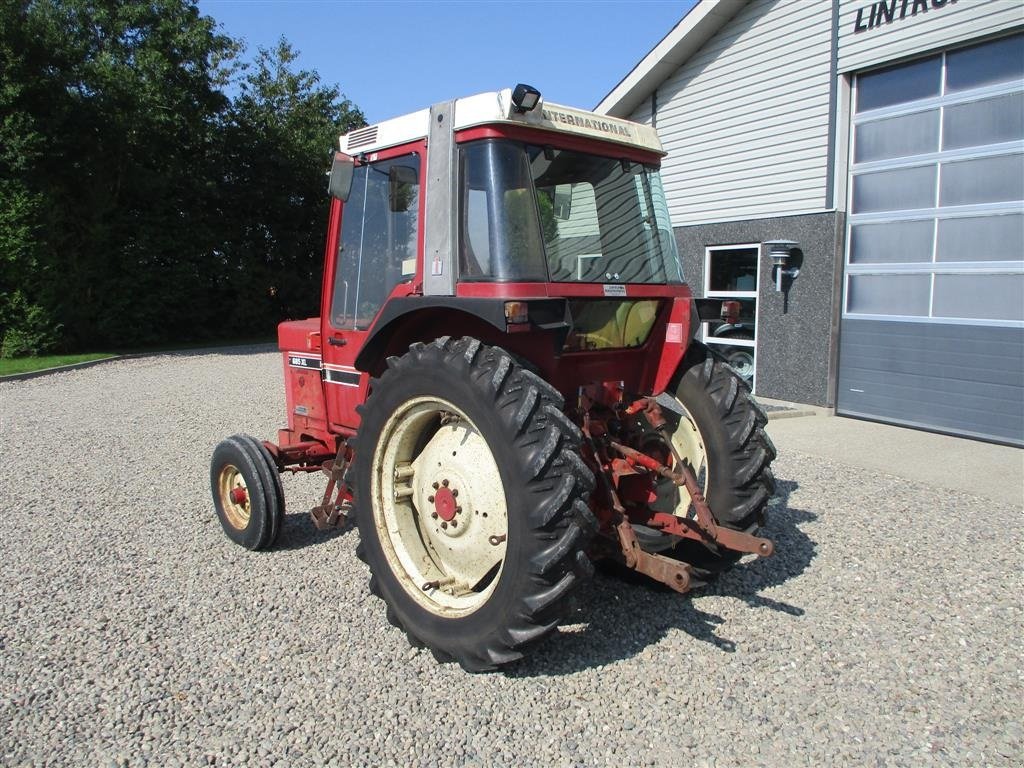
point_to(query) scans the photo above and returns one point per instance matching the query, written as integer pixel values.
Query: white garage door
(932, 333)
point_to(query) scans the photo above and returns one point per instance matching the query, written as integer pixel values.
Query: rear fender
(680, 330)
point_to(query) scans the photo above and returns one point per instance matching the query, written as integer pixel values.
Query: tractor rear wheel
(721, 437)
(247, 492)
(470, 501)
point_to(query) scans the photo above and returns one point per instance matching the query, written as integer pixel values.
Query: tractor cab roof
(497, 108)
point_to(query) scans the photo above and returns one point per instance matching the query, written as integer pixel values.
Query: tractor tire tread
(272, 480)
(749, 481)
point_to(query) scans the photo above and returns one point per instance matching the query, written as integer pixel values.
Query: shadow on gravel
(299, 532)
(621, 618)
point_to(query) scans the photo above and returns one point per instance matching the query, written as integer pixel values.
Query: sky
(392, 57)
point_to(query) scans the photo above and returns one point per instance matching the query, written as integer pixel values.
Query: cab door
(376, 247)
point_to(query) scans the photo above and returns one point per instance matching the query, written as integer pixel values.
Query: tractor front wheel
(247, 492)
(469, 496)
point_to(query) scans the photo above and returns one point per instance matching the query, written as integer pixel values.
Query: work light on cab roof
(504, 381)
(525, 98)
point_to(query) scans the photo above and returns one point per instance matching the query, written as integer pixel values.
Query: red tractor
(503, 384)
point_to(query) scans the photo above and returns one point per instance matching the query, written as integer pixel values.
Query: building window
(731, 272)
(936, 225)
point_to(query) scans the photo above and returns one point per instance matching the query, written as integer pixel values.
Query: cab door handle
(337, 341)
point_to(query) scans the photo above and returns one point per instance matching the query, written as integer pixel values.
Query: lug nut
(455, 523)
(455, 491)
(444, 525)
(444, 483)
(430, 499)
(435, 486)
(434, 515)
(458, 510)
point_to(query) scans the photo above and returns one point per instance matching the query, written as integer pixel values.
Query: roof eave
(685, 38)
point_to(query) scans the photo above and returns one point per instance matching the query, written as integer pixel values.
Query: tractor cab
(499, 215)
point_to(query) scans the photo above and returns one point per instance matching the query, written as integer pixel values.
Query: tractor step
(330, 517)
(337, 501)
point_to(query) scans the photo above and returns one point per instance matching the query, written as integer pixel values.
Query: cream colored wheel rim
(234, 497)
(689, 444)
(439, 507)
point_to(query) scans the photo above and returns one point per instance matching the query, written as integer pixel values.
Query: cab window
(377, 247)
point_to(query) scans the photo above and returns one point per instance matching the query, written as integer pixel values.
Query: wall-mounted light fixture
(780, 250)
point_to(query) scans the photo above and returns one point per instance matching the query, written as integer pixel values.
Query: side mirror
(401, 180)
(340, 183)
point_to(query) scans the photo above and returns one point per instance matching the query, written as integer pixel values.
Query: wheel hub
(234, 497)
(444, 504)
(440, 507)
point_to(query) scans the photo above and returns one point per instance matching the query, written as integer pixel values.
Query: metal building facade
(884, 137)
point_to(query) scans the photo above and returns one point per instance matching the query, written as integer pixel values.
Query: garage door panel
(977, 394)
(943, 356)
(960, 419)
(944, 392)
(981, 238)
(946, 374)
(941, 424)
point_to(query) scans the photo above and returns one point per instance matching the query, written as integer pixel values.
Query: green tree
(26, 327)
(127, 98)
(138, 202)
(280, 131)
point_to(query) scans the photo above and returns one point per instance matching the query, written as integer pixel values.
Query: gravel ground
(886, 631)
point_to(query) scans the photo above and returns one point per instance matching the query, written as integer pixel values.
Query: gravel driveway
(886, 631)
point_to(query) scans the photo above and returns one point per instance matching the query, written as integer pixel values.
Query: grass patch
(28, 364)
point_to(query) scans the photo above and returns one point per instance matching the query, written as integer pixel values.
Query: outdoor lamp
(779, 250)
(525, 98)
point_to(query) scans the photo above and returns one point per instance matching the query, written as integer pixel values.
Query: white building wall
(745, 121)
(917, 27)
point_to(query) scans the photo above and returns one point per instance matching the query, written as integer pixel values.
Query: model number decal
(300, 361)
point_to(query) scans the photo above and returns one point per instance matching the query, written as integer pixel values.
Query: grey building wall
(795, 329)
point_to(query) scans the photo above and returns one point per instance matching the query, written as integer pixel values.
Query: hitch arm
(705, 523)
(673, 573)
